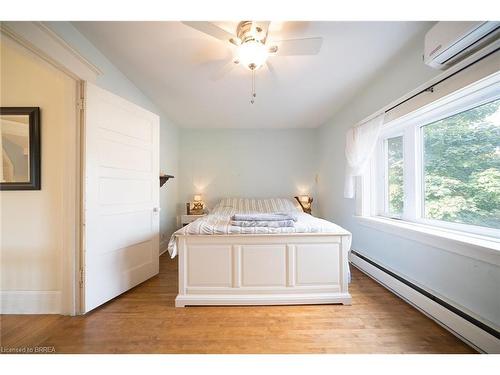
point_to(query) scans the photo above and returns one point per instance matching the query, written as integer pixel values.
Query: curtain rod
(428, 88)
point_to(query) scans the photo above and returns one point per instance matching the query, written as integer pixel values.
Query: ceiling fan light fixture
(252, 54)
(253, 48)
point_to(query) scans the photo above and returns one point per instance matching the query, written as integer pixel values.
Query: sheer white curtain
(360, 144)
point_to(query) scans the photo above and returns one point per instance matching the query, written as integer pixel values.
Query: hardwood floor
(144, 320)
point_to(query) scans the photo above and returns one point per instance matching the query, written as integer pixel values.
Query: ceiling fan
(252, 46)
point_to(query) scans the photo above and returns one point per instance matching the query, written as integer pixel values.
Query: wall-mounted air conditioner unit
(447, 43)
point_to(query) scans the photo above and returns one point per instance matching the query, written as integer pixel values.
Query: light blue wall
(116, 82)
(247, 163)
(467, 283)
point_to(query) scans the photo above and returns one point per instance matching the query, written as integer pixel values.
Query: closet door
(121, 196)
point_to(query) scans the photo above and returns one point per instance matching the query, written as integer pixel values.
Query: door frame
(38, 38)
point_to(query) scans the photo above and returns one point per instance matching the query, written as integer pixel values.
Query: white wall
(246, 163)
(31, 226)
(116, 82)
(467, 283)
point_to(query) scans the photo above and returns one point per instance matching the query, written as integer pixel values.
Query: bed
(222, 264)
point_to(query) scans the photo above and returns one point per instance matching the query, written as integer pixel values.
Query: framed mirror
(20, 162)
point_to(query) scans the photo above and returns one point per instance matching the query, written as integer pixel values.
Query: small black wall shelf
(165, 178)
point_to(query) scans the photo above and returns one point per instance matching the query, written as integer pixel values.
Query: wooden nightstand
(186, 219)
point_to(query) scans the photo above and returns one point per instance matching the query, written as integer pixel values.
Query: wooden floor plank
(144, 320)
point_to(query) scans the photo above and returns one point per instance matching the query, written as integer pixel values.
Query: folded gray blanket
(262, 223)
(264, 217)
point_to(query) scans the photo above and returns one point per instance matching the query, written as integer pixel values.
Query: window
(440, 165)
(394, 182)
(462, 167)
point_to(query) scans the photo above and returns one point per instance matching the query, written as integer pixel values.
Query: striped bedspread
(219, 220)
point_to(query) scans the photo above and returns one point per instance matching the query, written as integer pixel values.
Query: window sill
(477, 247)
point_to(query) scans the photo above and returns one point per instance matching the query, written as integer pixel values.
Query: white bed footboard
(278, 269)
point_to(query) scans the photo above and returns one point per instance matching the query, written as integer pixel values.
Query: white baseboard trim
(460, 327)
(30, 302)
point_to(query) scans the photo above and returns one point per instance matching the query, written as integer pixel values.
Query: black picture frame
(35, 181)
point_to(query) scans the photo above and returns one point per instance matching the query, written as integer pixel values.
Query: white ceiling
(173, 64)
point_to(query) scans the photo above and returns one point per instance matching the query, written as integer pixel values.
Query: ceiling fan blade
(290, 47)
(213, 30)
(226, 68)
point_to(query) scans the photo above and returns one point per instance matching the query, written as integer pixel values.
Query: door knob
(156, 209)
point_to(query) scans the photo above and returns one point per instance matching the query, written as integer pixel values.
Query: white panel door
(121, 196)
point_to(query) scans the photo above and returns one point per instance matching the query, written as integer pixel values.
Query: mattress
(218, 222)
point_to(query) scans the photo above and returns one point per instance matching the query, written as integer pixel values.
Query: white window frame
(410, 127)
(383, 162)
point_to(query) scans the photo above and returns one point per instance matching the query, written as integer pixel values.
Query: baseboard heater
(467, 328)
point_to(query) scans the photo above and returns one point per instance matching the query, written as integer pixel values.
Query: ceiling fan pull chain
(252, 100)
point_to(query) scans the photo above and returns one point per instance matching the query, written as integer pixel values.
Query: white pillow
(256, 205)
